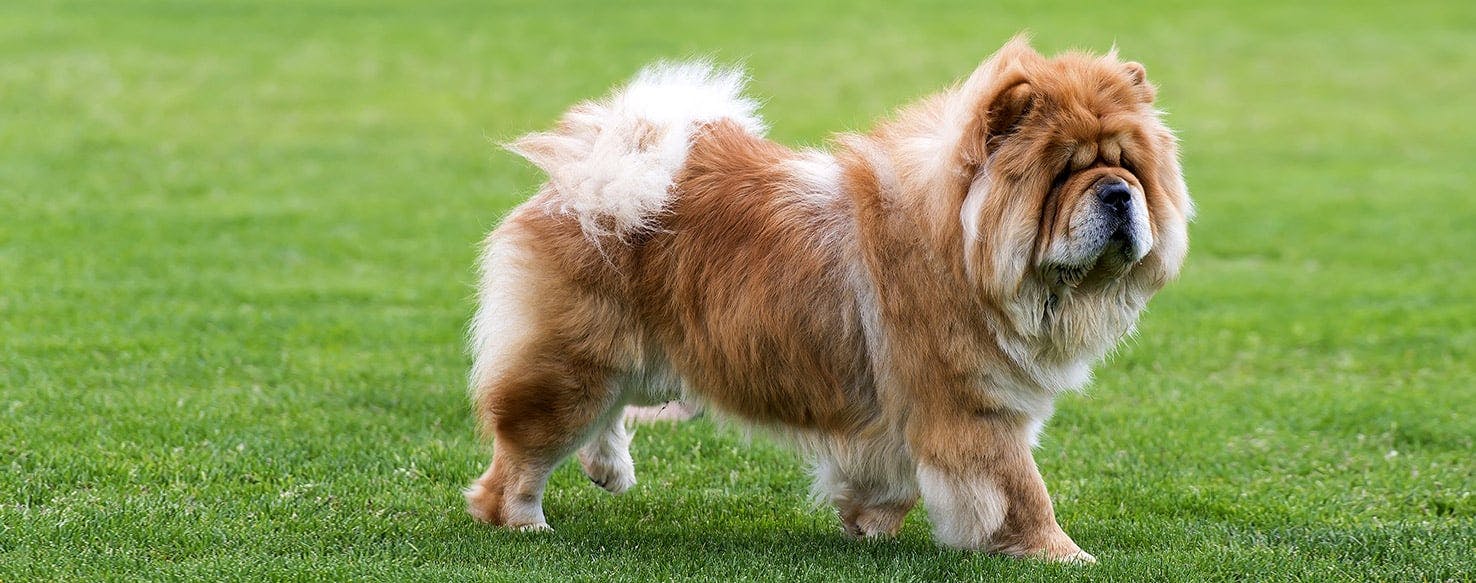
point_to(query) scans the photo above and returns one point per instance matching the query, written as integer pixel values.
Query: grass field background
(236, 250)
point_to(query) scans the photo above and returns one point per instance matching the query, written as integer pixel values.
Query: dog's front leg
(981, 488)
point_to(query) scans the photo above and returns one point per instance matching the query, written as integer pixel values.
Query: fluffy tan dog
(905, 307)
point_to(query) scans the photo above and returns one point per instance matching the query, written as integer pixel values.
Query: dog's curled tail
(612, 162)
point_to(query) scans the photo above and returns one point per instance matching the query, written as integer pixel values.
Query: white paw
(612, 473)
(539, 527)
(1077, 558)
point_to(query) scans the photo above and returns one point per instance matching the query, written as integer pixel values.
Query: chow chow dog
(904, 306)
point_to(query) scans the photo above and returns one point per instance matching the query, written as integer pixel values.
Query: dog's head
(1075, 186)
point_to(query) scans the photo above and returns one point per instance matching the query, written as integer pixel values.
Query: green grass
(236, 250)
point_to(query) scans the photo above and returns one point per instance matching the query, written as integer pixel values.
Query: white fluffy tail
(612, 162)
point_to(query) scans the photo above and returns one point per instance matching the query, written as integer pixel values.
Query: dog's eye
(1126, 164)
(1061, 177)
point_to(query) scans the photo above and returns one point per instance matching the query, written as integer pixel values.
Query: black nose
(1115, 195)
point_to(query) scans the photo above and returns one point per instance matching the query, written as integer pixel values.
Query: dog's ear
(1135, 72)
(1003, 95)
(1004, 113)
(1138, 75)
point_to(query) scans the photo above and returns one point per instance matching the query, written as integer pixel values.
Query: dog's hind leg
(544, 373)
(537, 420)
(606, 458)
(869, 480)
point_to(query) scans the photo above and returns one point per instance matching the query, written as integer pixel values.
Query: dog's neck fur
(1051, 337)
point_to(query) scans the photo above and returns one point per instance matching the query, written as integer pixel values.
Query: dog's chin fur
(905, 306)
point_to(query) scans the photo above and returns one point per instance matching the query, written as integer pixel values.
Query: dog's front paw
(1053, 545)
(1079, 557)
(1059, 551)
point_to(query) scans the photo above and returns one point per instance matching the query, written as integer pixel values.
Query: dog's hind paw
(613, 473)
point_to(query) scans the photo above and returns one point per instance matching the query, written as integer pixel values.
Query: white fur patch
(612, 162)
(817, 175)
(503, 322)
(815, 181)
(684, 93)
(965, 510)
(970, 214)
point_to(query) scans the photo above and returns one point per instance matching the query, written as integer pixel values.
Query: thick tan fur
(893, 305)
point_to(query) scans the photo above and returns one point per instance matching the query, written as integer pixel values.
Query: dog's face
(1076, 181)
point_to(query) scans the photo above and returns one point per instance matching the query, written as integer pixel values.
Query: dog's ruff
(905, 307)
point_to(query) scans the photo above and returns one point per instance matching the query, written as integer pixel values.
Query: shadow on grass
(725, 543)
(648, 539)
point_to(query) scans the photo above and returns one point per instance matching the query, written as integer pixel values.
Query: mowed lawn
(236, 253)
